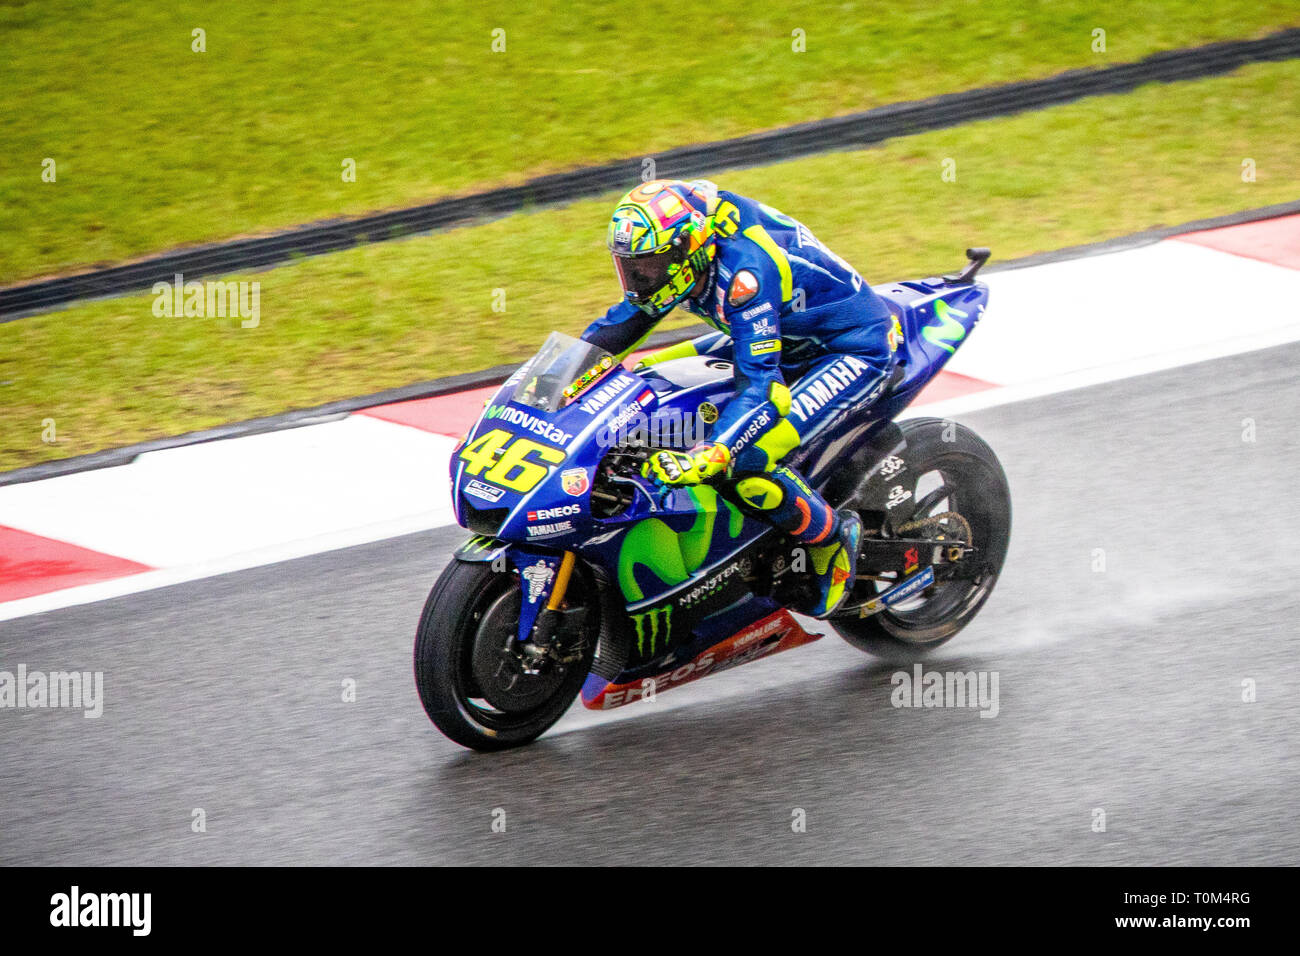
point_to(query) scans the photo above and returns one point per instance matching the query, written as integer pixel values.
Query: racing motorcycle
(583, 577)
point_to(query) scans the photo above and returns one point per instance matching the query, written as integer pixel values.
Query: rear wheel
(949, 469)
(470, 670)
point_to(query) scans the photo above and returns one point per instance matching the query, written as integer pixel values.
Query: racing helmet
(663, 241)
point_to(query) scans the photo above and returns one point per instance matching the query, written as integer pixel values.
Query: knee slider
(761, 493)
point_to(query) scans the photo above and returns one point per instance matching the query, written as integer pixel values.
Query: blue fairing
(545, 514)
(668, 544)
(930, 313)
(936, 319)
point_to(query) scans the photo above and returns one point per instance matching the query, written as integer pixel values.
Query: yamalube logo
(75, 908)
(549, 530)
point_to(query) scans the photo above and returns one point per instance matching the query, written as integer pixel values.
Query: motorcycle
(584, 578)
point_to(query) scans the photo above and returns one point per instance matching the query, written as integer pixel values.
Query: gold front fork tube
(561, 581)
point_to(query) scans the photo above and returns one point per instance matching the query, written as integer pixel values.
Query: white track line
(273, 554)
(200, 503)
(1088, 377)
(205, 510)
(948, 408)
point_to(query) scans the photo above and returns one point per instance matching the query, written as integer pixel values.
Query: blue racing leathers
(787, 309)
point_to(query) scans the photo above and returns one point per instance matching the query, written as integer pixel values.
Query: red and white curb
(195, 511)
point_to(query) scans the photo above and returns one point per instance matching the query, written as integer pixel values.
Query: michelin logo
(538, 577)
(899, 593)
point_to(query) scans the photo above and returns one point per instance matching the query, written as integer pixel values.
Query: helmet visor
(643, 275)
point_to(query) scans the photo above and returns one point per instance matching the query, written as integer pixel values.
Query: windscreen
(561, 371)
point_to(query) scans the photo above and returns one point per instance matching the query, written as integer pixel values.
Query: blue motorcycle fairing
(480, 548)
(707, 631)
(546, 511)
(537, 572)
(935, 319)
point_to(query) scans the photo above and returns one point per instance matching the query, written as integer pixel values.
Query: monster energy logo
(477, 544)
(647, 624)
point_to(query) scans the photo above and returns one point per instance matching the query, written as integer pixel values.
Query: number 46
(507, 462)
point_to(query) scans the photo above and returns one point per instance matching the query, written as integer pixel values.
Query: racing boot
(835, 563)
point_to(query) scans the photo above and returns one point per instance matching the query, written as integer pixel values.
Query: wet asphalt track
(1119, 690)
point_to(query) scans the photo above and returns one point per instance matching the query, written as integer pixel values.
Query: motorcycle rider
(787, 309)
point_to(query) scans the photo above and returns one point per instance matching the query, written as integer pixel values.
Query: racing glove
(706, 460)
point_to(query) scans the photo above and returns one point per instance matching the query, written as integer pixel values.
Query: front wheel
(949, 469)
(469, 667)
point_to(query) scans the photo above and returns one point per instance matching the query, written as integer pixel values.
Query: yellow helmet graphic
(662, 239)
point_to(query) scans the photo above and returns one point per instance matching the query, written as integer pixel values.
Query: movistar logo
(648, 624)
(669, 556)
(532, 423)
(948, 332)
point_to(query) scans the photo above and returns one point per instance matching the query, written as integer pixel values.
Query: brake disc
(497, 663)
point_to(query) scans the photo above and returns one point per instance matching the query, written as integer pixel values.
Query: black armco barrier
(803, 139)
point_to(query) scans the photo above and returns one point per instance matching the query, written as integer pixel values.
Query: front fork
(556, 600)
(553, 619)
(544, 580)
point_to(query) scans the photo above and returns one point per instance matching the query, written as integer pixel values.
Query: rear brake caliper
(951, 535)
(939, 539)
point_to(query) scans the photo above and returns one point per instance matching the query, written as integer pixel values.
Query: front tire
(977, 489)
(471, 616)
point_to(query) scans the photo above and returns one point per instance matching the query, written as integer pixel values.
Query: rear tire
(471, 613)
(979, 492)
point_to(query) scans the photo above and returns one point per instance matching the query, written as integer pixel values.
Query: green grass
(110, 373)
(157, 146)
